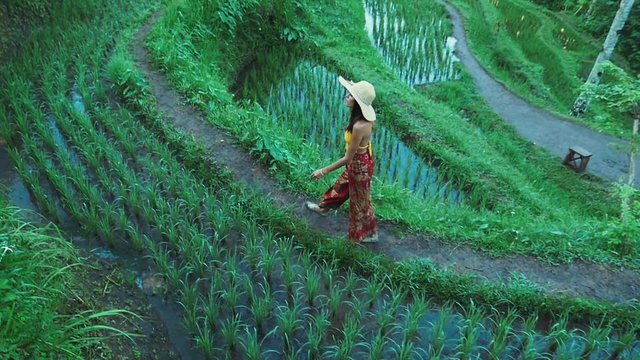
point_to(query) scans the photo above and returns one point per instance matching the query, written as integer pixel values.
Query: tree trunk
(632, 163)
(582, 102)
(592, 5)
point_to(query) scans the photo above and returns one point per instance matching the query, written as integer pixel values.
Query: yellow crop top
(347, 139)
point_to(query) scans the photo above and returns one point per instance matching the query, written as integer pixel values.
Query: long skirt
(354, 184)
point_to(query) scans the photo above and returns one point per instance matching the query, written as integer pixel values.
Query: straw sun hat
(364, 93)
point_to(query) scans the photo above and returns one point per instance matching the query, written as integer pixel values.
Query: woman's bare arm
(359, 130)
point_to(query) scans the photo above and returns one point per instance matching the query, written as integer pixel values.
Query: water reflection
(17, 193)
(411, 38)
(309, 102)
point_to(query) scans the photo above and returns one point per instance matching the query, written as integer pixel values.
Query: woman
(355, 181)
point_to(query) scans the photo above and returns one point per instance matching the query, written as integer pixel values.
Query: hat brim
(367, 110)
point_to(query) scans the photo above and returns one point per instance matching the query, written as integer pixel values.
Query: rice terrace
(161, 161)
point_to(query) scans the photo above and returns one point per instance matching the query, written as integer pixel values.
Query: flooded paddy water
(414, 39)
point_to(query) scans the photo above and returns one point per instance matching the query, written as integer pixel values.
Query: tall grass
(36, 266)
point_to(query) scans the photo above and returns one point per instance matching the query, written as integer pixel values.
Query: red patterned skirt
(355, 184)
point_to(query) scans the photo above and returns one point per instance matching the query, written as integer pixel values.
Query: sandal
(317, 209)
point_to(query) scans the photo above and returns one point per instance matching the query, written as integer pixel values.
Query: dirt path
(579, 278)
(541, 127)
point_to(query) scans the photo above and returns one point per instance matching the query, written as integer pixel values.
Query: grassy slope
(35, 279)
(537, 54)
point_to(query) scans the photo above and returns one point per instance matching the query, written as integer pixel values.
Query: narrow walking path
(541, 127)
(577, 279)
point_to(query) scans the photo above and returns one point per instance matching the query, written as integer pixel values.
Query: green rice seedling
(318, 327)
(104, 229)
(624, 342)
(189, 293)
(91, 216)
(251, 345)
(286, 247)
(350, 335)
(239, 216)
(216, 250)
(261, 306)
(44, 201)
(306, 259)
(596, 337)
(289, 275)
(528, 333)
(173, 275)
(357, 307)
(350, 282)
(211, 308)
(231, 264)
(251, 245)
(530, 352)
(312, 284)
(231, 331)
(190, 318)
(387, 316)
(204, 340)
(268, 261)
(415, 312)
(328, 272)
(406, 351)
(503, 328)
(172, 235)
(247, 284)
(558, 334)
(377, 346)
(232, 297)
(134, 235)
(220, 223)
(472, 321)
(335, 299)
(374, 289)
(289, 322)
(197, 253)
(439, 335)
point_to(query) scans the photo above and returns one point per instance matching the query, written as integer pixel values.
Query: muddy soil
(576, 279)
(106, 284)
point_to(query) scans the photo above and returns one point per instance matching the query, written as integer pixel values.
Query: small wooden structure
(577, 158)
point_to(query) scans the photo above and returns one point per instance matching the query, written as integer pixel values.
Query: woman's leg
(362, 221)
(337, 194)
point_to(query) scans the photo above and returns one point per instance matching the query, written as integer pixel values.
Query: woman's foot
(317, 209)
(371, 238)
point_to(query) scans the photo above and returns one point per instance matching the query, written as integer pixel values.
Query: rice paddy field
(91, 151)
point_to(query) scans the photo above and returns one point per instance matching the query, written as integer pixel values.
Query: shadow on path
(541, 127)
(577, 279)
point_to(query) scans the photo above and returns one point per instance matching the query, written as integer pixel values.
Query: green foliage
(259, 22)
(35, 273)
(623, 234)
(595, 17)
(618, 90)
(531, 51)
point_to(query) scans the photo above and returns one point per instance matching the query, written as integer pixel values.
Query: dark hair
(356, 114)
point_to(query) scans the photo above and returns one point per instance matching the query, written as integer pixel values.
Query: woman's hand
(316, 175)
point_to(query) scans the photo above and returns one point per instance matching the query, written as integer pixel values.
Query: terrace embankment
(577, 279)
